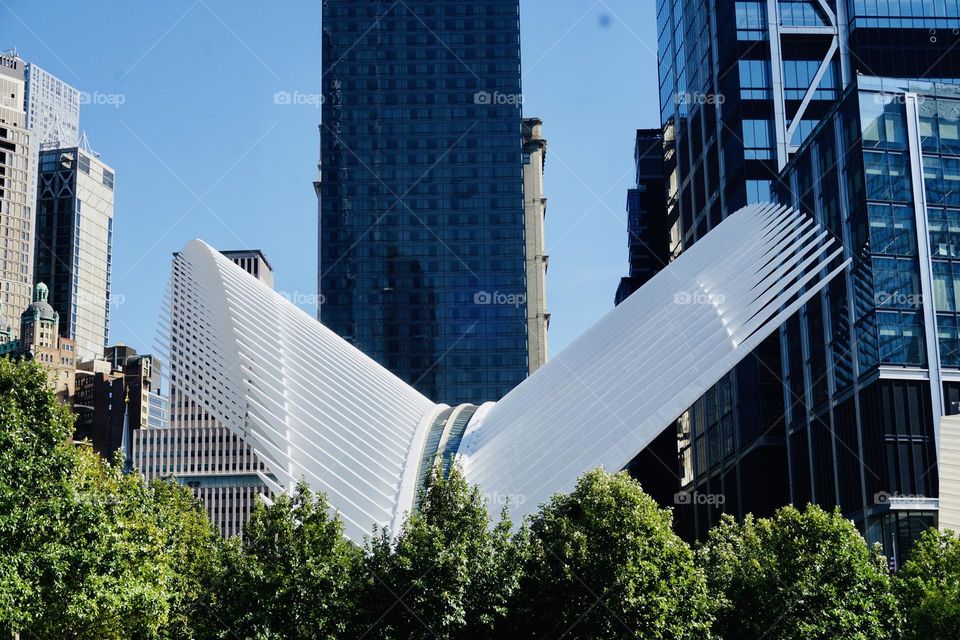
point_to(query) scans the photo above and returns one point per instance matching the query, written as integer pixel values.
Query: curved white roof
(313, 406)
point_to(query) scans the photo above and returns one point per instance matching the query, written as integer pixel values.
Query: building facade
(253, 262)
(74, 243)
(742, 85)
(40, 340)
(119, 391)
(535, 212)
(220, 469)
(422, 251)
(16, 197)
(52, 107)
(647, 239)
(196, 448)
(873, 363)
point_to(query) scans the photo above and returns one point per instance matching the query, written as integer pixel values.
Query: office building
(742, 85)
(647, 240)
(253, 262)
(121, 388)
(535, 212)
(422, 251)
(16, 198)
(872, 364)
(220, 469)
(74, 243)
(52, 107)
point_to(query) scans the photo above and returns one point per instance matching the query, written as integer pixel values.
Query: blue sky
(182, 106)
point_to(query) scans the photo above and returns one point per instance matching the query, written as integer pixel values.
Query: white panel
(950, 473)
(311, 405)
(614, 389)
(314, 407)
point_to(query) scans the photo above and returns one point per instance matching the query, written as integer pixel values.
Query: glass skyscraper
(874, 362)
(74, 246)
(422, 248)
(743, 84)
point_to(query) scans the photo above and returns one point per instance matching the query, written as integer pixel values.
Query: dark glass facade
(646, 215)
(872, 360)
(421, 195)
(740, 92)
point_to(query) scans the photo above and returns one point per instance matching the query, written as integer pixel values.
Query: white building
(313, 407)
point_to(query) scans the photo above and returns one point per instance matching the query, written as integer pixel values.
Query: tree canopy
(798, 575)
(87, 551)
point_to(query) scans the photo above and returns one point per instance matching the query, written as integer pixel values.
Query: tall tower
(745, 89)
(75, 243)
(535, 212)
(422, 251)
(16, 199)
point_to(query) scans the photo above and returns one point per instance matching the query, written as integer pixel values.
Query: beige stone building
(535, 211)
(16, 198)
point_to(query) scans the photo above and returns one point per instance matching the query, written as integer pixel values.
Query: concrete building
(52, 107)
(121, 387)
(16, 196)
(534, 214)
(949, 476)
(74, 243)
(220, 469)
(253, 262)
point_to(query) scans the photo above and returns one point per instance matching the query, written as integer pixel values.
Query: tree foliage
(448, 574)
(87, 551)
(604, 562)
(928, 587)
(796, 576)
(290, 575)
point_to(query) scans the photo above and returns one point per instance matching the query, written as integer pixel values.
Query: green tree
(928, 587)
(603, 562)
(85, 550)
(289, 577)
(798, 576)
(447, 574)
(193, 549)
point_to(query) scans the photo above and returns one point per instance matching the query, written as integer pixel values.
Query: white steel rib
(315, 408)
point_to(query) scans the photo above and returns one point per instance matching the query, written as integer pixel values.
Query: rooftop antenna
(84, 143)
